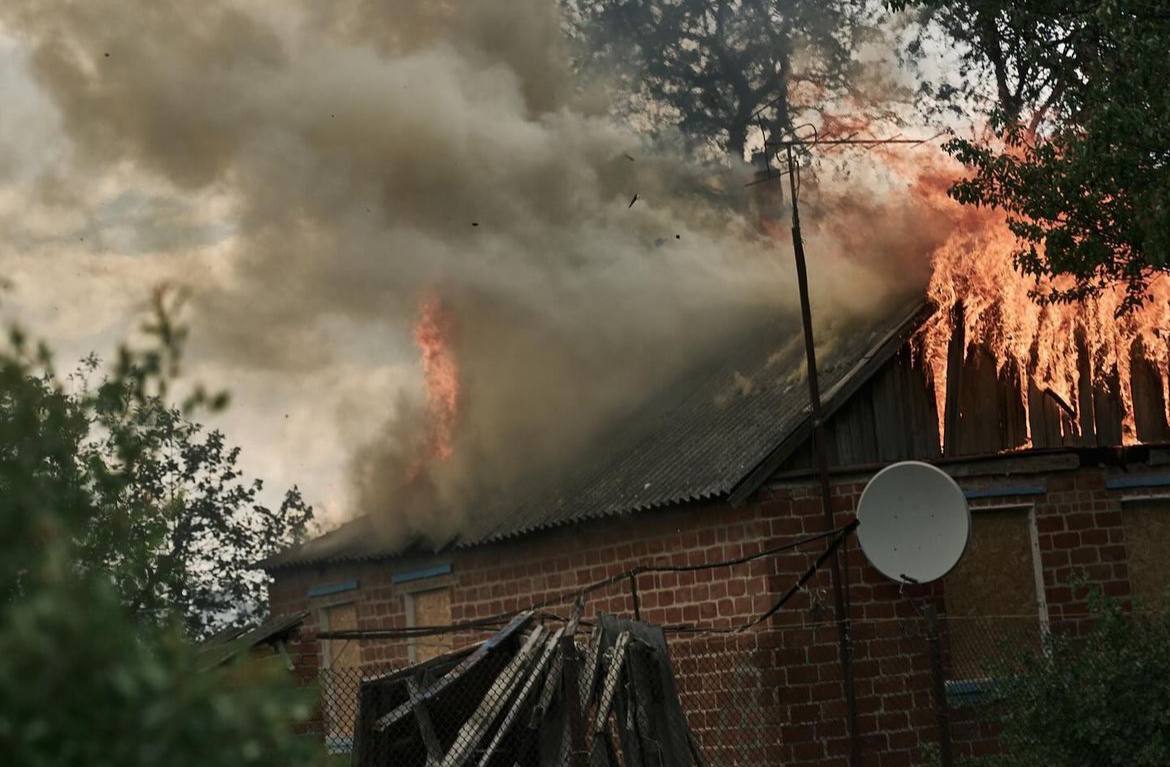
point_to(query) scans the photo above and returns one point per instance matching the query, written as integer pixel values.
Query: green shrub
(85, 678)
(1092, 698)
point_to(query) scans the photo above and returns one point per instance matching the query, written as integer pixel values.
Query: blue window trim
(433, 571)
(338, 744)
(1000, 491)
(969, 692)
(1128, 481)
(326, 589)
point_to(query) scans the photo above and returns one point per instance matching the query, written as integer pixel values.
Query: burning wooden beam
(1067, 408)
(956, 351)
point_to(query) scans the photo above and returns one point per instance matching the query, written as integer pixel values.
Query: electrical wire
(498, 620)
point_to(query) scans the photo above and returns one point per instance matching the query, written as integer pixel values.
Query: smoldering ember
(566, 382)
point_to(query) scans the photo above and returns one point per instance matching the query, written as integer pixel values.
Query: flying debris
(632, 201)
(627, 156)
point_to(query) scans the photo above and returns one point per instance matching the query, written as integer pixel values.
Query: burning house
(1055, 427)
(625, 392)
(544, 459)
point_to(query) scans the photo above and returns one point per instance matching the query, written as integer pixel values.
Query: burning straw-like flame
(1042, 345)
(433, 334)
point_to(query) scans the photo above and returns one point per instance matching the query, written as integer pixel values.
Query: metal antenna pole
(814, 394)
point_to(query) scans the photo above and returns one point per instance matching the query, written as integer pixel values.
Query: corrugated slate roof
(697, 440)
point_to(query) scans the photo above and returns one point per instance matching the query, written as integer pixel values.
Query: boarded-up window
(342, 676)
(1147, 537)
(429, 608)
(991, 600)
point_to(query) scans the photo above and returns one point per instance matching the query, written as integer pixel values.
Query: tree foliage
(1094, 700)
(1080, 113)
(156, 505)
(85, 683)
(707, 68)
(194, 522)
(84, 679)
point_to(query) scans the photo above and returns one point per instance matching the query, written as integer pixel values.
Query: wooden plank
(1147, 534)
(924, 415)
(890, 411)
(661, 723)
(432, 608)
(1085, 405)
(552, 682)
(980, 418)
(609, 687)
(865, 434)
(640, 690)
(518, 622)
(852, 431)
(956, 355)
(874, 393)
(1159, 457)
(550, 646)
(1015, 416)
(1149, 405)
(832, 443)
(426, 727)
(901, 413)
(844, 433)
(968, 466)
(1044, 418)
(1055, 420)
(801, 458)
(497, 695)
(579, 752)
(1014, 465)
(448, 660)
(1108, 411)
(592, 666)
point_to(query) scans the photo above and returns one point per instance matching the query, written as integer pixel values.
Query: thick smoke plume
(376, 153)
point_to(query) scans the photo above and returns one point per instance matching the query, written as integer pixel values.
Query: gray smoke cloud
(372, 152)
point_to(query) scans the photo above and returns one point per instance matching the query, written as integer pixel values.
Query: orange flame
(433, 334)
(1039, 343)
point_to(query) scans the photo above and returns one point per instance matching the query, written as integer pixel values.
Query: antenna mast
(839, 576)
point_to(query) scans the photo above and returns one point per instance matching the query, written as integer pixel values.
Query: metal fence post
(578, 756)
(946, 756)
(634, 594)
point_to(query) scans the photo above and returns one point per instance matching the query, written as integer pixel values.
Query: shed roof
(710, 435)
(221, 648)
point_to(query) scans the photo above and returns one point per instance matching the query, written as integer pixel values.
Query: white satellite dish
(914, 522)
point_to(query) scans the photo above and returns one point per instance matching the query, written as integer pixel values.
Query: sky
(80, 274)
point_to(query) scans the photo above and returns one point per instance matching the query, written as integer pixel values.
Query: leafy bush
(1093, 698)
(85, 684)
(84, 678)
(151, 500)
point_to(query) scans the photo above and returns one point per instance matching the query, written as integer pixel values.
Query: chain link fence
(771, 696)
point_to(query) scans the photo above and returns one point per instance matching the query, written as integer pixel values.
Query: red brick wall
(1081, 535)
(786, 675)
